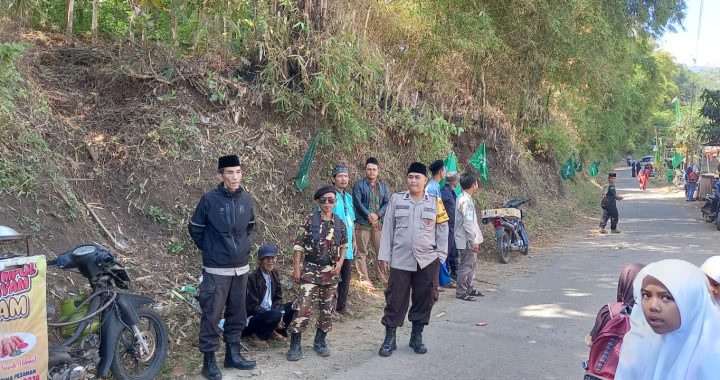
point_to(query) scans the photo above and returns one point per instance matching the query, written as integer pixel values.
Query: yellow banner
(23, 319)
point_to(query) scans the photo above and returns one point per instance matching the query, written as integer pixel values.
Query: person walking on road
(609, 205)
(414, 241)
(370, 198)
(691, 178)
(220, 228)
(467, 237)
(320, 247)
(344, 209)
(644, 176)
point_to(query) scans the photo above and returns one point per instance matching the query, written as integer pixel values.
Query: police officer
(320, 243)
(220, 227)
(609, 205)
(414, 240)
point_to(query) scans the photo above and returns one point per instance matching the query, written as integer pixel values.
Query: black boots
(295, 351)
(319, 345)
(389, 344)
(416, 339)
(210, 369)
(233, 358)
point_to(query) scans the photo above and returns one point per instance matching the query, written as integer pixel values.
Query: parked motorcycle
(509, 228)
(709, 215)
(105, 331)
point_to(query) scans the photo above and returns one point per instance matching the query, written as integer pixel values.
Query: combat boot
(295, 350)
(319, 345)
(233, 358)
(210, 369)
(416, 338)
(390, 343)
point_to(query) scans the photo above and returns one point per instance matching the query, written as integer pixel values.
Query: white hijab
(711, 267)
(691, 352)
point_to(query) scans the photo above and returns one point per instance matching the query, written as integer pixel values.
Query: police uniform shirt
(415, 233)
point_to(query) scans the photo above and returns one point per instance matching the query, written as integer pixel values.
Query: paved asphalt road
(536, 323)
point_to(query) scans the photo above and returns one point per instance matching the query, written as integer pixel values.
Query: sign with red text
(23, 319)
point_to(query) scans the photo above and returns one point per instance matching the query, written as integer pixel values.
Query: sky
(683, 43)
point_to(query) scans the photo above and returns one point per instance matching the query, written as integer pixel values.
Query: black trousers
(406, 285)
(220, 294)
(344, 285)
(452, 258)
(610, 212)
(264, 324)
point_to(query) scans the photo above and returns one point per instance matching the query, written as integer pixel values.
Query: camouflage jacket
(327, 250)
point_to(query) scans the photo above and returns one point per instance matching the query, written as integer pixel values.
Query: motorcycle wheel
(127, 365)
(503, 247)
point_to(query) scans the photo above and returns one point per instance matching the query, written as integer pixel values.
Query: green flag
(594, 169)
(677, 159)
(450, 163)
(568, 169)
(302, 176)
(479, 162)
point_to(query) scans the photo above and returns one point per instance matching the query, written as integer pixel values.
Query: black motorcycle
(509, 228)
(709, 214)
(108, 331)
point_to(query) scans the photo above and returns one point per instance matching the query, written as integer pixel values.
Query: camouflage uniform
(317, 285)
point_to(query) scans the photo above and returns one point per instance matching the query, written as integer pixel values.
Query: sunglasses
(330, 200)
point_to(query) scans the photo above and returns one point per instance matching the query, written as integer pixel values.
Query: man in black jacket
(268, 315)
(220, 227)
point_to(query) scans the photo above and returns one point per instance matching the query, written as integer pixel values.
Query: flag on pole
(479, 162)
(677, 159)
(302, 176)
(676, 102)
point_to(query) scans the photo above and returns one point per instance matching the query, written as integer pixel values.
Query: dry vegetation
(124, 142)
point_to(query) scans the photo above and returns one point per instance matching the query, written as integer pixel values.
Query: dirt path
(536, 315)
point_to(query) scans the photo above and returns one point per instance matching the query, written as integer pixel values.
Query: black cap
(612, 175)
(228, 161)
(417, 167)
(322, 191)
(267, 250)
(372, 160)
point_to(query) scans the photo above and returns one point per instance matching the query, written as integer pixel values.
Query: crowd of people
(672, 335)
(421, 240)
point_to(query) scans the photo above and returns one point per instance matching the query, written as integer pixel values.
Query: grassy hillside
(95, 149)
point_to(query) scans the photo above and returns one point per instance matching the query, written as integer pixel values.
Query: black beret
(228, 161)
(322, 191)
(436, 166)
(417, 167)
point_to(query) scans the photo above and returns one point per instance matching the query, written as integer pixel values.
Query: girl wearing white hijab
(711, 267)
(675, 335)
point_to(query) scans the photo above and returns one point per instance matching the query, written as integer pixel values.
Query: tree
(710, 132)
(69, 14)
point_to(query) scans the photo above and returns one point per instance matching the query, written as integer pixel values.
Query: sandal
(476, 293)
(466, 297)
